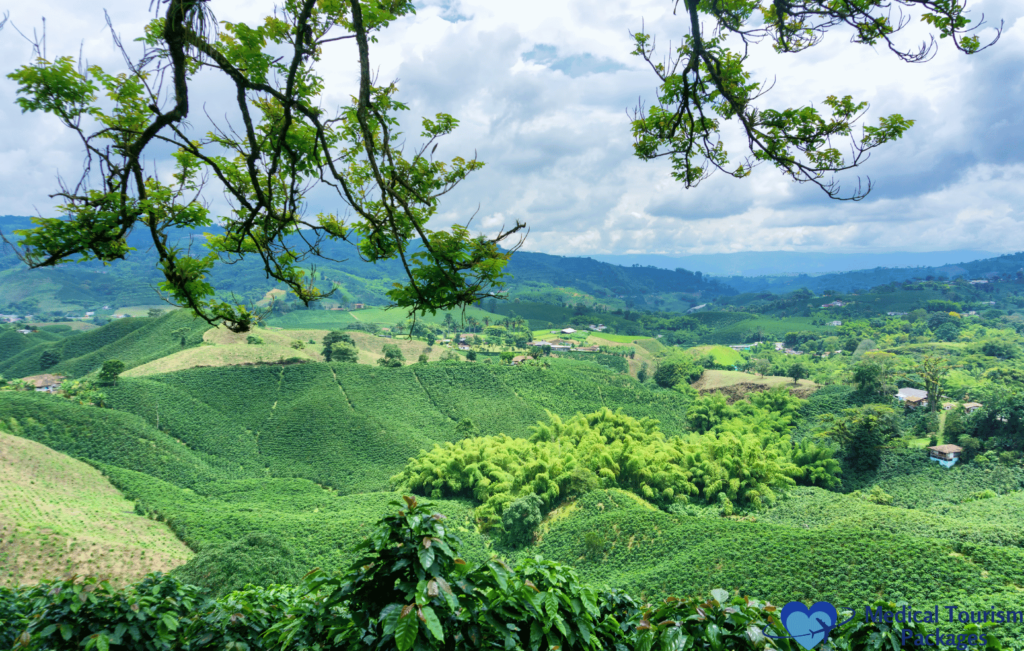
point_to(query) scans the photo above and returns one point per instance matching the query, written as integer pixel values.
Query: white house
(835, 323)
(567, 331)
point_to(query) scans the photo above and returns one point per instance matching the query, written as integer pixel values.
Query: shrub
(254, 340)
(521, 519)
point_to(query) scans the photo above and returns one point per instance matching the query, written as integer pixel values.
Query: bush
(680, 370)
(521, 519)
(392, 358)
(254, 340)
(257, 558)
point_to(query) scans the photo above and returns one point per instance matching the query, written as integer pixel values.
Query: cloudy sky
(543, 91)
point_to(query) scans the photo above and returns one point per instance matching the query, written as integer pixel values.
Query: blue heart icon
(809, 626)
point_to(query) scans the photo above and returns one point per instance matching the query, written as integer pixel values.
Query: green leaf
(719, 595)
(433, 624)
(170, 621)
(426, 557)
(406, 630)
(103, 643)
(66, 631)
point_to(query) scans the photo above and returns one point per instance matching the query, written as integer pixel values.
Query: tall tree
(335, 337)
(933, 371)
(289, 140)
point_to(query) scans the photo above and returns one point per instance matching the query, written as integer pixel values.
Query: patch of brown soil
(740, 391)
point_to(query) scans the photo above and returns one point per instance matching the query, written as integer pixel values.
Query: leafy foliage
(744, 461)
(409, 589)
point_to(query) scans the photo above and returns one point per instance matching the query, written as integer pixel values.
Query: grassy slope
(723, 355)
(59, 515)
(133, 341)
(224, 348)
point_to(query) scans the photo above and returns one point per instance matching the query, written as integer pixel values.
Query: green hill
(134, 341)
(652, 553)
(305, 453)
(61, 516)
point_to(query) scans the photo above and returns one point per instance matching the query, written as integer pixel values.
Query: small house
(25, 331)
(560, 349)
(519, 359)
(90, 314)
(358, 306)
(567, 331)
(589, 349)
(835, 324)
(45, 383)
(947, 455)
(971, 407)
(913, 402)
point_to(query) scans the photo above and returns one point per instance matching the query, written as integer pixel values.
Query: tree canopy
(703, 83)
(287, 143)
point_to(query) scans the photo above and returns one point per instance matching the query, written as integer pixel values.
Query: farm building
(567, 331)
(971, 407)
(913, 402)
(45, 383)
(947, 455)
(519, 359)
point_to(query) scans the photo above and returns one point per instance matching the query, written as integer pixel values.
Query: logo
(808, 626)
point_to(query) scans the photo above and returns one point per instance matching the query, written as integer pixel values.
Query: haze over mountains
(769, 263)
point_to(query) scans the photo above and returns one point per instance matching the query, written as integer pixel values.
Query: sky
(543, 92)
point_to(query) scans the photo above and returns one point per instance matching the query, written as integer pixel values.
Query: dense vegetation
(609, 462)
(737, 456)
(410, 589)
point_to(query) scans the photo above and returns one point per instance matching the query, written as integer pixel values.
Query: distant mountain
(132, 281)
(770, 263)
(1008, 265)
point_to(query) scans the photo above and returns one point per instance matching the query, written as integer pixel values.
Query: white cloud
(542, 91)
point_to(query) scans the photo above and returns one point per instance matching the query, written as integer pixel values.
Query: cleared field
(371, 346)
(711, 380)
(75, 325)
(272, 295)
(225, 348)
(722, 355)
(227, 355)
(143, 310)
(61, 516)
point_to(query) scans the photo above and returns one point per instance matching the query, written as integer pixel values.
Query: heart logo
(809, 626)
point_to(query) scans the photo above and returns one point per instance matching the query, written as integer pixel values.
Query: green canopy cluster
(745, 460)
